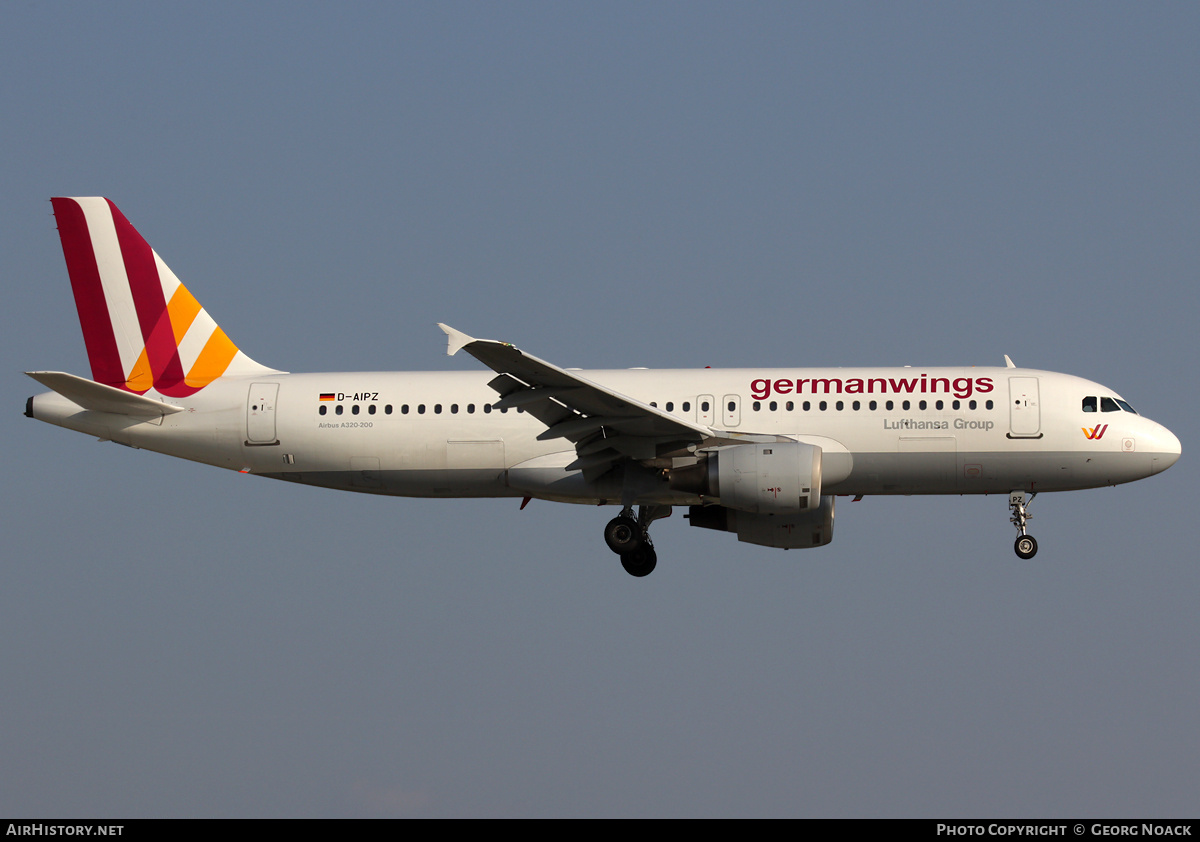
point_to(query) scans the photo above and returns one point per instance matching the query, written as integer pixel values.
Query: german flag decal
(327, 396)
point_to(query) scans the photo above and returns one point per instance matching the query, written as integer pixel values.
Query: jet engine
(780, 478)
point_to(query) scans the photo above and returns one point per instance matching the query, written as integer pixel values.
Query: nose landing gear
(1026, 545)
(629, 537)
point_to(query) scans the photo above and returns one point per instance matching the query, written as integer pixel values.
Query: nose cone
(1167, 450)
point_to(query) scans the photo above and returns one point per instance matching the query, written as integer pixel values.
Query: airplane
(761, 453)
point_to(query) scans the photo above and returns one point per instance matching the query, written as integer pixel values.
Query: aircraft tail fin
(142, 328)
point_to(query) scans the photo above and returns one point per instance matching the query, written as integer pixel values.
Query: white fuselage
(435, 434)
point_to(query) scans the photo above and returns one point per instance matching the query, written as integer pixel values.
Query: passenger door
(1025, 415)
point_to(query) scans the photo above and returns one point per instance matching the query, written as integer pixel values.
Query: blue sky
(608, 185)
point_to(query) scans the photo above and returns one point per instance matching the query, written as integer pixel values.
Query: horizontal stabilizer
(100, 398)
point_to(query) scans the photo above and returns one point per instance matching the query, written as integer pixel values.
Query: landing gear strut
(1018, 504)
(629, 537)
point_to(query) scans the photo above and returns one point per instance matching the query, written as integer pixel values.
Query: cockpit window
(1107, 405)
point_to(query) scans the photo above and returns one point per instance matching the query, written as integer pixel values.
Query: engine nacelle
(789, 532)
(762, 479)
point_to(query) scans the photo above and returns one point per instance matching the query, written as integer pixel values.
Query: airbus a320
(760, 453)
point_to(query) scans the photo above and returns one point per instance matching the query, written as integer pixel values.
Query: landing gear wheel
(1018, 505)
(640, 562)
(1026, 546)
(623, 535)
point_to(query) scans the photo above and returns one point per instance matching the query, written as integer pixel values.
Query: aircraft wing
(604, 425)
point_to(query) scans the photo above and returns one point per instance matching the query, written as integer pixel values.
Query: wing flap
(573, 428)
(530, 395)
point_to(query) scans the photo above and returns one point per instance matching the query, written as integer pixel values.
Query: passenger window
(371, 409)
(791, 406)
(470, 409)
(687, 406)
(670, 406)
(757, 406)
(337, 410)
(1109, 405)
(989, 404)
(354, 410)
(322, 409)
(1089, 404)
(387, 410)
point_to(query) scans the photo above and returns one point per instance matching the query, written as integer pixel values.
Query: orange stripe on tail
(182, 309)
(218, 353)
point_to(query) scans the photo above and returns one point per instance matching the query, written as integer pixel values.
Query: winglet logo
(1095, 433)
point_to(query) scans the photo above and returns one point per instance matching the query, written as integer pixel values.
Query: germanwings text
(960, 387)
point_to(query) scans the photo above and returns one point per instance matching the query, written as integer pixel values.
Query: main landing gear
(1018, 504)
(629, 537)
